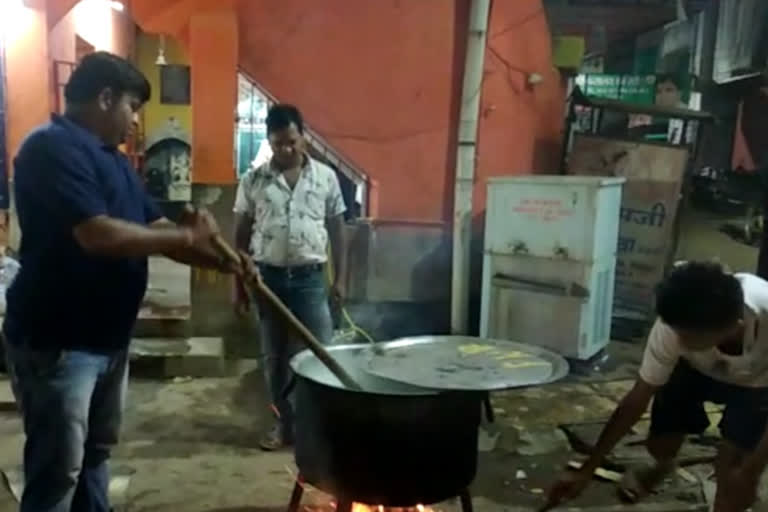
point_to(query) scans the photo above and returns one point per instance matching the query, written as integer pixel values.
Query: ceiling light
(161, 60)
(14, 20)
(12, 5)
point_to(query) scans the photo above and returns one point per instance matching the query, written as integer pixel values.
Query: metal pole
(465, 163)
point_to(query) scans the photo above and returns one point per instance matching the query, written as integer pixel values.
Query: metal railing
(319, 145)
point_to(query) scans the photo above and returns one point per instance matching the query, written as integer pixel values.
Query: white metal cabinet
(550, 260)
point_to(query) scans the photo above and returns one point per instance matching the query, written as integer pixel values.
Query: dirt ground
(191, 445)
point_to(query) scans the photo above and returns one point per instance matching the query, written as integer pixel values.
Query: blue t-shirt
(63, 298)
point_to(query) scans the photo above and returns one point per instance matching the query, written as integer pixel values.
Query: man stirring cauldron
(286, 212)
(87, 229)
(710, 343)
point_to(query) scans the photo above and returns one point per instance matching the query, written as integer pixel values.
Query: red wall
(213, 51)
(521, 125)
(27, 77)
(381, 81)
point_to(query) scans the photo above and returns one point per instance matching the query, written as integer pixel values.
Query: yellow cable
(347, 318)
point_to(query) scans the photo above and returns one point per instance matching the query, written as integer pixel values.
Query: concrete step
(178, 357)
(7, 400)
(163, 328)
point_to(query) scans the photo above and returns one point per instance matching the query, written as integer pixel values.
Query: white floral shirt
(289, 225)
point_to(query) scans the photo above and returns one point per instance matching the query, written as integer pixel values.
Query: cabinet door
(541, 314)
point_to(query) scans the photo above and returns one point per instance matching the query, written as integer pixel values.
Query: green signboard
(629, 88)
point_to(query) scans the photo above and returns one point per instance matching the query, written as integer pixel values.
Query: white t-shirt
(750, 369)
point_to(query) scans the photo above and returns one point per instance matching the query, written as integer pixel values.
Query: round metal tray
(464, 363)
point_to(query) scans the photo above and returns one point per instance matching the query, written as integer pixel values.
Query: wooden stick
(309, 339)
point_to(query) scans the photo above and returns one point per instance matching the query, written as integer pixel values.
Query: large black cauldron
(392, 444)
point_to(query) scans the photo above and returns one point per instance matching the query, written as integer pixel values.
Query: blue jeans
(304, 292)
(72, 404)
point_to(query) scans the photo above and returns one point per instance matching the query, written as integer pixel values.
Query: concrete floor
(191, 445)
(702, 237)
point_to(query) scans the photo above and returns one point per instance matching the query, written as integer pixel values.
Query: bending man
(710, 343)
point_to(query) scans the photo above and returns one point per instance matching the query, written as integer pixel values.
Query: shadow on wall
(401, 279)
(431, 269)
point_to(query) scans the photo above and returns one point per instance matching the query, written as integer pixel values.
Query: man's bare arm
(243, 232)
(200, 255)
(122, 239)
(337, 239)
(630, 410)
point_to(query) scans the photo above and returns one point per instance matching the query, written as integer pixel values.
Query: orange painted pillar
(213, 53)
(28, 75)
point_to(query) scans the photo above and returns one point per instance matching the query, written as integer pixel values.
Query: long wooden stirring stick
(309, 339)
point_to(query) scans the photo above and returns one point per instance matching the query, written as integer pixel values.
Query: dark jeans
(72, 404)
(304, 291)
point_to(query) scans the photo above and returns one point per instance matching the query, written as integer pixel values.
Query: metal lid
(464, 363)
(353, 359)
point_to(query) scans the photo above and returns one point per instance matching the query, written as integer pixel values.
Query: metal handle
(503, 279)
(570, 289)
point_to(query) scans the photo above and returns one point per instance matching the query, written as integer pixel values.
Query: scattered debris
(687, 476)
(602, 473)
(542, 441)
(583, 436)
(709, 489)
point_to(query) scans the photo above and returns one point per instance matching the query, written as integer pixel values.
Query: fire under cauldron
(393, 444)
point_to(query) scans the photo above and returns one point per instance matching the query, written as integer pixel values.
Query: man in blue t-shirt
(87, 229)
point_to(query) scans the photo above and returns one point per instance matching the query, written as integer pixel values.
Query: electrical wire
(352, 325)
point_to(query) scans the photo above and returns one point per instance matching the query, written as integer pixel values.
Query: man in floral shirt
(287, 211)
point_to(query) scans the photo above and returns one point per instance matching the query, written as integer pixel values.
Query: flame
(362, 507)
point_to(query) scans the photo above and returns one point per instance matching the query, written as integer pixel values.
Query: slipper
(275, 440)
